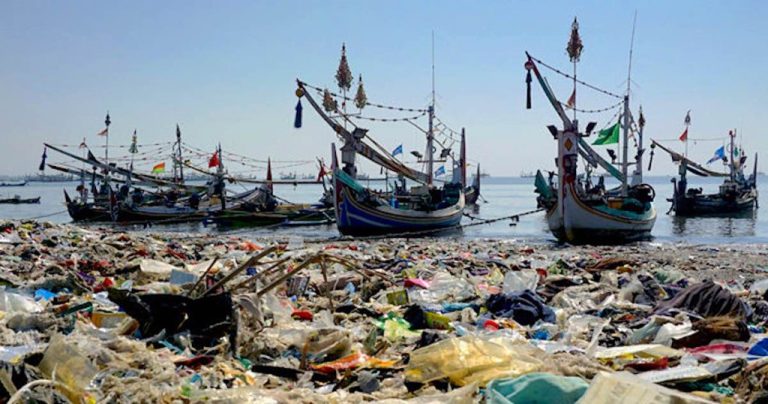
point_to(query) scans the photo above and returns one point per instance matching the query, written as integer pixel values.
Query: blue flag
(398, 150)
(440, 171)
(719, 155)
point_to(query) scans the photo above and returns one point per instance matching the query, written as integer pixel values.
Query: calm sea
(503, 196)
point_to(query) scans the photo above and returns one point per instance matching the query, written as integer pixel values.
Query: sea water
(500, 197)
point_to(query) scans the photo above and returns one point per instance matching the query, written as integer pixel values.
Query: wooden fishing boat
(736, 196)
(361, 211)
(576, 210)
(284, 215)
(472, 192)
(13, 184)
(19, 200)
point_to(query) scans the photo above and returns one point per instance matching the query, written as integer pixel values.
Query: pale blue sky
(225, 71)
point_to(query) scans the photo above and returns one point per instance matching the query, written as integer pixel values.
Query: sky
(225, 72)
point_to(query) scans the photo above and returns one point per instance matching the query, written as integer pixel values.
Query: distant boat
(472, 192)
(13, 184)
(484, 174)
(527, 174)
(737, 194)
(19, 200)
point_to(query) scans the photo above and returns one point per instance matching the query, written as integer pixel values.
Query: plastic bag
(471, 358)
(518, 281)
(68, 363)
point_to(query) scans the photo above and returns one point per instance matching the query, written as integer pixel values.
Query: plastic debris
(102, 315)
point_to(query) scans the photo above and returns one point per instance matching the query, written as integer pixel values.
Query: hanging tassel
(528, 67)
(650, 161)
(297, 118)
(528, 90)
(42, 163)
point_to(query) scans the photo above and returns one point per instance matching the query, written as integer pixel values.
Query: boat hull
(574, 221)
(88, 212)
(715, 205)
(18, 201)
(156, 214)
(301, 216)
(355, 218)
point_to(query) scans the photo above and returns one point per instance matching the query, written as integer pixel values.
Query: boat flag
(214, 161)
(103, 132)
(158, 168)
(719, 155)
(42, 163)
(322, 173)
(687, 122)
(398, 150)
(83, 145)
(133, 149)
(571, 100)
(608, 136)
(440, 171)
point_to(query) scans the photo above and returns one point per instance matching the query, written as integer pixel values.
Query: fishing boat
(737, 195)
(19, 200)
(472, 192)
(578, 211)
(13, 184)
(361, 211)
(527, 174)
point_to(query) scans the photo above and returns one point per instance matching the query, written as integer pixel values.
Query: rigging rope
(593, 111)
(575, 79)
(321, 90)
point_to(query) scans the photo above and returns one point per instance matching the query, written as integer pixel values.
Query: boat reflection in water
(732, 225)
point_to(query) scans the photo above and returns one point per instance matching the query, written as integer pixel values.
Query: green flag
(608, 136)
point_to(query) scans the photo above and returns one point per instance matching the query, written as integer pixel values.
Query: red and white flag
(684, 136)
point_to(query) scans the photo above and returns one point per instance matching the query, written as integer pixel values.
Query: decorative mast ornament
(360, 98)
(574, 49)
(344, 76)
(329, 104)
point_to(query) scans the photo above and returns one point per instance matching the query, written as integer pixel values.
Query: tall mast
(625, 140)
(624, 148)
(107, 122)
(133, 150)
(640, 151)
(178, 159)
(732, 135)
(431, 111)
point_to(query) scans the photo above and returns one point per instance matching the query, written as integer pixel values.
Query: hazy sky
(225, 71)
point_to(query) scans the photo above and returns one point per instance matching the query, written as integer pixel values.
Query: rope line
(593, 111)
(389, 107)
(577, 80)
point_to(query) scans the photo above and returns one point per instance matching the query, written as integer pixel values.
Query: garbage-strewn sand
(97, 315)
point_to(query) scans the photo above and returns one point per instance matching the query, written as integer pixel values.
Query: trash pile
(95, 315)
